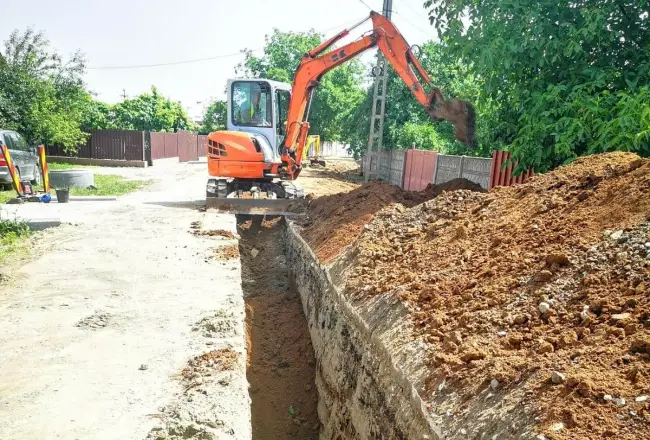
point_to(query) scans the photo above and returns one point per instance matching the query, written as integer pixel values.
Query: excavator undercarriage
(251, 196)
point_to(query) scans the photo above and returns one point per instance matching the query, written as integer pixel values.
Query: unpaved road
(119, 292)
(98, 329)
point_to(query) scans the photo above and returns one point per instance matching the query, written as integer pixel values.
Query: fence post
(460, 166)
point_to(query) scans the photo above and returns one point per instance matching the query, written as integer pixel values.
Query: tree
(41, 95)
(149, 112)
(338, 95)
(564, 78)
(215, 117)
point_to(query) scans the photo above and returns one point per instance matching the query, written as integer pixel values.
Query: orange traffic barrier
(12, 170)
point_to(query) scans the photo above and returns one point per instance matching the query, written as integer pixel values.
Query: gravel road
(98, 328)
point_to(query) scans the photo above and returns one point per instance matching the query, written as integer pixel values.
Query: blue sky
(141, 32)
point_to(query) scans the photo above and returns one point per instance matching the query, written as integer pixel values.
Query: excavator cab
(245, 159)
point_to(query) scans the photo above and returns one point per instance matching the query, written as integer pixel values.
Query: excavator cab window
(281, 110)
(251, 104)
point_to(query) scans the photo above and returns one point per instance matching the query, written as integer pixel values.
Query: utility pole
(378, 101)
(124, 94)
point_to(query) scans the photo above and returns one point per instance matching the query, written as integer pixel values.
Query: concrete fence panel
(475, 169)
(396, 167)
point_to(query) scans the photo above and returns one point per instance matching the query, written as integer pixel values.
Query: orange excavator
(253, 164)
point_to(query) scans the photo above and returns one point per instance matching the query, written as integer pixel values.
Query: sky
(167, 33)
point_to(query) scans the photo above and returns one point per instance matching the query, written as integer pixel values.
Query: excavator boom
(394, 47)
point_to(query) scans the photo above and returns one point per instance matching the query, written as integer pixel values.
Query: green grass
(6, 195)
(110, 185)
(67, 166)
(13, 235)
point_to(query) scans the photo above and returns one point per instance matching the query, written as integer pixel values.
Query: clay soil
(539, 290)
(280, 365)
(336, 221)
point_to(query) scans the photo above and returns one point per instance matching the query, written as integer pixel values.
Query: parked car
(25, 159)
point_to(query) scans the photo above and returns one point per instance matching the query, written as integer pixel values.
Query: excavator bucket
(285, 207)
(460, 113)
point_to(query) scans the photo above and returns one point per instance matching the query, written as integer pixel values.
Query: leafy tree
(338, 95)
(149, 112)
(41, 95)
(565, 78)
(215, 117)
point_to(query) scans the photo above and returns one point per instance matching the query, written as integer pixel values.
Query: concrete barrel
(70, 178)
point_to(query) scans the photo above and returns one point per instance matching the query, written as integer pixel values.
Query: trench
(280, 359)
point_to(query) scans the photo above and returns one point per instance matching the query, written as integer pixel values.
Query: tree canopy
(43, 97)
(214, 117)
(564, 78)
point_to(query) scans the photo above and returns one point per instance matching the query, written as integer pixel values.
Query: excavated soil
(281, 364)
(227, 252)
(334, 222)
(542, 287)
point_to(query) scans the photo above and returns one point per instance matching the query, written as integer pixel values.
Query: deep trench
(280, 360)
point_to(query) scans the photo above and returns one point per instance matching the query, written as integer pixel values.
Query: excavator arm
(389, 40)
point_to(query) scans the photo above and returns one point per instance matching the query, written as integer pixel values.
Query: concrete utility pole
(378, 101)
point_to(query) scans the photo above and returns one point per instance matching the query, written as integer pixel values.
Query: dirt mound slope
(336, 221)
(541, 288)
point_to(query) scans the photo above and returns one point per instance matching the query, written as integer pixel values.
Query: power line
(406, 3)
(428, 34)
(172, 63)
(366, 5)
(197, 60)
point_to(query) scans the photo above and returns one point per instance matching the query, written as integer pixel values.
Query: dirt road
(98, 329)
(95, 330)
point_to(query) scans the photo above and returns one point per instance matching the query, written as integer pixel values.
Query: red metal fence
(185, 145)
(502, 175)
(419, 167)
(108, 144)
(131, 145)
(422, 167)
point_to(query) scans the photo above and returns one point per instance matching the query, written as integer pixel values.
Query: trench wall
(367, 364)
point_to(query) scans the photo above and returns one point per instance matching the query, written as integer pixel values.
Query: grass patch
(6, 195)
(107, 185)
(12, 237)
(67, 166)
(110, 185)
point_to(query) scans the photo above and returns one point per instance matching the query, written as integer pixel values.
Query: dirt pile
(336, 221)
(227, 252)
(541, 287)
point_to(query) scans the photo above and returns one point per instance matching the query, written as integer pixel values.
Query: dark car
(24, 156)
